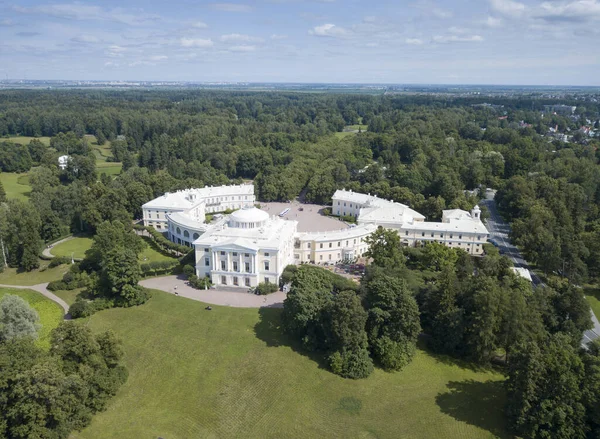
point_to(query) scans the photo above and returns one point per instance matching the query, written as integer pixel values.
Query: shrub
(85, 308)
(189, 270)
(266, 288)
(348, 219)
(59, 260)
(200, 283)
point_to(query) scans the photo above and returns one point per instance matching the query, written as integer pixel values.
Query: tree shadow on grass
(422, 344)
(477, 403)
(269, 330)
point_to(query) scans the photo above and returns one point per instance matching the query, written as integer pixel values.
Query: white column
(228, 261)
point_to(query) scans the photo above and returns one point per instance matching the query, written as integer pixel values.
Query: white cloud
(278, 37)
(158, 58)
(414, 41)
(199, 25)
(78, 11)
(580, 10)
(111, 64)
(242, 48)
(328, 30)
(508, 7)
(6, 22)
(231, 7)
(441, 13)
(229, 38)
(196, 42)
(457, 39)
(492, 21)
(116, 51)
(85, 39)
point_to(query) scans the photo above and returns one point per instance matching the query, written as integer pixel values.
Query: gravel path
(42, 288)
(234, 297)
(46, 251)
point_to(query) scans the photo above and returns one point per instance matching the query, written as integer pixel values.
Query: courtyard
(309, 216)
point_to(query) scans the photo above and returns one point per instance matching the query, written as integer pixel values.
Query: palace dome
(242, 218)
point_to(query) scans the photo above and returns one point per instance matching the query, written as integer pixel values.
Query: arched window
(178, 231)
(196, 236)
(186, 234)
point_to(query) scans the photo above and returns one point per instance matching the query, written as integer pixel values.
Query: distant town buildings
(564, 110)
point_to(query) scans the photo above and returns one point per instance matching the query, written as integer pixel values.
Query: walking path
(46, 251)
(42, 288)
(234, 297)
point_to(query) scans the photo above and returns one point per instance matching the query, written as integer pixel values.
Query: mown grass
(68, 296)
(108, 168)
(231, 373)
(12, 276)
(50, 313)
(24, 140)
(80, 245)
(15, 185)
(76, 247)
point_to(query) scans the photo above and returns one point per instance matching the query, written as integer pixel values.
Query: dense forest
(430, 152)
(425, 151)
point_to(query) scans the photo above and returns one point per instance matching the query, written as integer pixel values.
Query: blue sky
(376, 41)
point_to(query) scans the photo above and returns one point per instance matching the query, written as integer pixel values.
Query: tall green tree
(393, 321)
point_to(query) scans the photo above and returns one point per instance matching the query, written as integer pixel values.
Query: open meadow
(24, 140)
(50, 313)
(231, 373)
(15, 185)
(12, 276)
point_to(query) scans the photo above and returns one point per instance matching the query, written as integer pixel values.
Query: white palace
(248, 246)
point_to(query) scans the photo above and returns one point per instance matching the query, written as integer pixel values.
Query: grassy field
(50, 313)
(15, 185)
(11, 276)
(230, 373)
(24, 140)
(108, 168)
(79, 246)
(68, 296)
(76, 246)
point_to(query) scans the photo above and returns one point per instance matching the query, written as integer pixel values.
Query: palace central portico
(246, 248)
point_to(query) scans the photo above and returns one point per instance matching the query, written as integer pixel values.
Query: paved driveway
(237, 298)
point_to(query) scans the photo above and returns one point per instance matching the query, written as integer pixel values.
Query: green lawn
(229, 373)
(592, 294)
(68, 296)
(76, 246)
(24, 140)
(356, 127)
(108, 168)
(11, 276)
(15, 185)
(150, 255)
(79, 245)
(50, 313)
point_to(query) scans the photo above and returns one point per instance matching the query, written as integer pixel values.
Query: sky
(336, 41)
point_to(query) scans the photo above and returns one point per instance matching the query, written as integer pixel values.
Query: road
(499, 231)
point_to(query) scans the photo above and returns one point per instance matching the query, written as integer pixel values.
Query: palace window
(206, 262)
(432, 234)
(330, 245)
(406, 233)
(459, 236)
(247, 281)
(186, 234)
(196, 236)
(234, 253)
(266, 265)
(206, 250)
(235, 266)
(222, 253)
(308, 245)
(320, 257)
(178, 231)
(247, 267)
(266, 255)
(321, 245)
(339, 243)
(246, 255)
(235, 280)
(422, 233)
(267, 280)
(223, 280)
